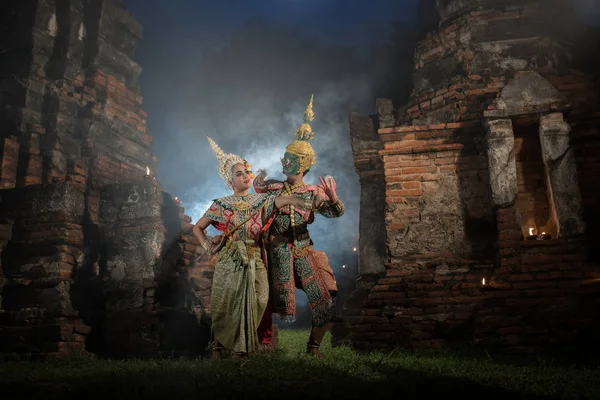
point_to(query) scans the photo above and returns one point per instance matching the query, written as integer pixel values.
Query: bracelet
(203, 245)
(337, 201)
(308, 204)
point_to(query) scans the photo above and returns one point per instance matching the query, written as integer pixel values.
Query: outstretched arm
(328, 203)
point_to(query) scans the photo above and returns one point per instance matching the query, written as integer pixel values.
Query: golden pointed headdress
(226, 163)
(301, 146)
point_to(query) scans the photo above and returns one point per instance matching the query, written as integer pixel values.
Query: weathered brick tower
(501, 137)
(94, 255)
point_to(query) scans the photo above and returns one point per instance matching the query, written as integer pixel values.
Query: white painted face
(241, 177)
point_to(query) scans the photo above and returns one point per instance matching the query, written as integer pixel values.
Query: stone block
(438, 74)
(554, 136)
(363, 133)
(116, 63)
(501, 161)
(61, 197)
(134, 256)
(61, 201)
(385, 111)
(119, 28)
(526, 92)
(125, 150)
(125, 202)
(560, 164)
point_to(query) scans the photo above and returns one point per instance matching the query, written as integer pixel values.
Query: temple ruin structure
(95, 256)
(498, 146)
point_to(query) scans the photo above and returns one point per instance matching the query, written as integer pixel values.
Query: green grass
(342, 374)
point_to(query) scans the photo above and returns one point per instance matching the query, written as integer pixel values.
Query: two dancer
(271, 226)
(240, 287)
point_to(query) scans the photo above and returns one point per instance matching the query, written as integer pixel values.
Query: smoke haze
(244, 78)
(243, 74)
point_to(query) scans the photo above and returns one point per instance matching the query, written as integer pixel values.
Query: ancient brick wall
(496, 113)
(95, 255)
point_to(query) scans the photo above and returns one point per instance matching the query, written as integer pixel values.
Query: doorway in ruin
(534, 198)
(535, 163)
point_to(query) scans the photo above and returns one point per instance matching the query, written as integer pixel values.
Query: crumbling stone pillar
(559, 160)
(372, 256)
(72, 125)
(385, 113)
(365, 146)
(503, 183)
(131, 217)
(39, 314)
(501, 159)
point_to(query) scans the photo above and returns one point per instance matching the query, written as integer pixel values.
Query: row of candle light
(531, 236)
(543, 236)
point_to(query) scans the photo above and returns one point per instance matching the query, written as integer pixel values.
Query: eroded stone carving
(501, 159)
(562, 173)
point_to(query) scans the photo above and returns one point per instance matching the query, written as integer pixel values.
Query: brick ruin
(95, 256)
(501, 135)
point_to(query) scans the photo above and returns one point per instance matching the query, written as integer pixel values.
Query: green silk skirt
(239, 296)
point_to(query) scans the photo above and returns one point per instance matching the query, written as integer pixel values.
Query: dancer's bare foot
(314, 341)
(314, 350)
(216, 350)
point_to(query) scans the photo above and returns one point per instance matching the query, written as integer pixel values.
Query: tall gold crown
(226, 162)
(304, 133)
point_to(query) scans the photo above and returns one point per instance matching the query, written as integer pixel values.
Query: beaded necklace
(289, 190)
(241, 204)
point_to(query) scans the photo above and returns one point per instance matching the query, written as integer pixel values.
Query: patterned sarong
(239, 296)
(310, 272)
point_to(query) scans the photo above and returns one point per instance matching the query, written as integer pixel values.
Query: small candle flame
(483, 281)
(530, 231)
(543, 233)
(147, 170)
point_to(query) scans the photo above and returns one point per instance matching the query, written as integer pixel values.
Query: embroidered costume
(240, 287)
(293, 263)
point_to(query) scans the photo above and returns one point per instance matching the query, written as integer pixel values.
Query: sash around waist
(288, 238)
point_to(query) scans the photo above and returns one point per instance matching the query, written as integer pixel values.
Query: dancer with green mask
(293, 263)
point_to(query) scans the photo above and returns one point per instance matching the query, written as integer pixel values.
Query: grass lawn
(342, 374)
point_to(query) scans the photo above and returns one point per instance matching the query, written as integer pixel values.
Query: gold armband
(203, 245)
(308, 204)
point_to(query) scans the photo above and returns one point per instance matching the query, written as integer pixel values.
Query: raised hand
(329, 187)
(216, 240)
(260, 178)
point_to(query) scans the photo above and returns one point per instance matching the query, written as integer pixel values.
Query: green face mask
(291, 164)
